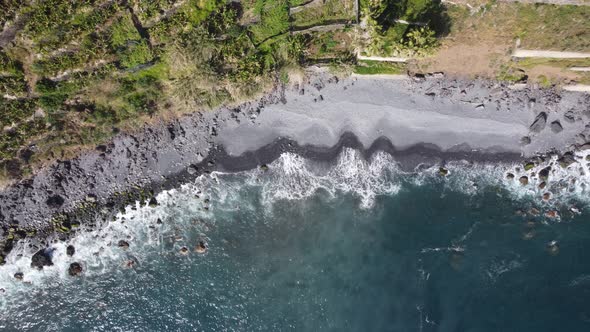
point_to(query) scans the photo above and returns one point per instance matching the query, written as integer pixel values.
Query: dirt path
(549, 54)
(582, 69)
(312, 4)
(381, 76)
(577, 88)
(381, 58)
(321, 28)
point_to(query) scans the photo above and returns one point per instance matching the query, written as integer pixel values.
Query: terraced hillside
(74, 73)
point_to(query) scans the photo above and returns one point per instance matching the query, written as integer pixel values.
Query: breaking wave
(185, 215)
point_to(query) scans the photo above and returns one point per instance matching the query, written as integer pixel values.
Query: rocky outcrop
(42, 258)
(556, 127)
(123, 244)
(539, 124)
(544, 173)
(70, 250)
(566, 159)
(75, 269)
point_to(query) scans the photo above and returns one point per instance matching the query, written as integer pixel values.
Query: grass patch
(511, 73)
(274, 19)
(553, 27)
(370, 67)
(529, 63)
(331, 11)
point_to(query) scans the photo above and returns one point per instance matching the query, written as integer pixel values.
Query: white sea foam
(293, 177)
(186, 214)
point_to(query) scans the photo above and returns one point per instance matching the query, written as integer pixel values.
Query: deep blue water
(424, 254)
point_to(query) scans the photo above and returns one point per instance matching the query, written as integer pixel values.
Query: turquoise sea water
(306, 246)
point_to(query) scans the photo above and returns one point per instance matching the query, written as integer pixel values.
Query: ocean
(345, 245)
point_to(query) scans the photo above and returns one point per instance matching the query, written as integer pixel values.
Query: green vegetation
(332, 11)
(553, 27)
(407, 28)
(274, 19)
(12, 80)
(379, 67)
(331, 45)
(78, 71)
(557, 63)
(510, 73)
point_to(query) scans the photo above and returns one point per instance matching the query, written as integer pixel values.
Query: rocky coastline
(512, 124)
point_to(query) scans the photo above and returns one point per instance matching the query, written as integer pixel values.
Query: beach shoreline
(420, 121)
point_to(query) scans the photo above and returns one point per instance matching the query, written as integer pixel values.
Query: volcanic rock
(42, 258)
(70, 250)
(75, 269)
(539, 123)
(123, 244)
(556, 127)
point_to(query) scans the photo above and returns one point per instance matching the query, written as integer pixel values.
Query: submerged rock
(42, 258)
(456, 259)
(552, 214)
(123, 244)
(553, 247)
(70, 250)
(19, 276)
(183, 251)
(510, 176)
(528, 234)
(75, 269)
(524, 180)
(201, 247)
(534, 212)
(542, 185)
